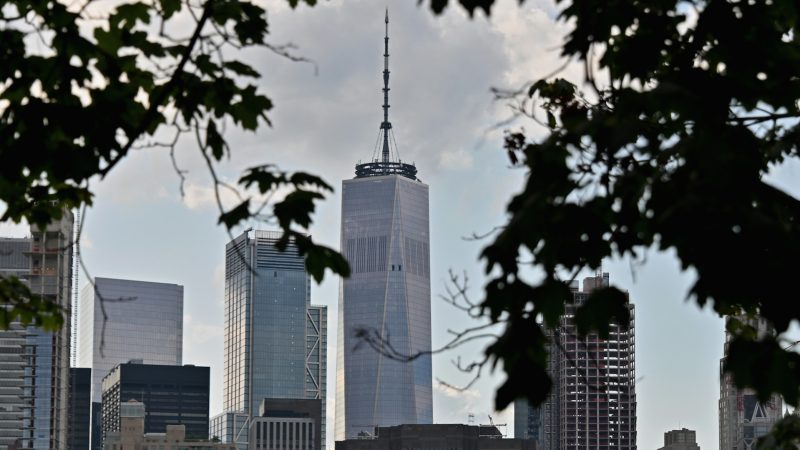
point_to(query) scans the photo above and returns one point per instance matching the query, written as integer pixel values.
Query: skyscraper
(123, 320)
(592, 403)
(742, 418)
(34, 375)
(385, 238)
(275, 338)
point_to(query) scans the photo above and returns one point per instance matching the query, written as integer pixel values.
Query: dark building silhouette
(173, 395)
(436, 436)
(80, 406)
(592, 403)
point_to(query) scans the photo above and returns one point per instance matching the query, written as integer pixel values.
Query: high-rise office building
(275, 339)
(80, 407)
(682, 439)
(592, 403)
(742, 418)
(137, 320)
(385, 238)
(174, 395)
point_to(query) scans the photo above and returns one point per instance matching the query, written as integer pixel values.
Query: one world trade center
(385, 237)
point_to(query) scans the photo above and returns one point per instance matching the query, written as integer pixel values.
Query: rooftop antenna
(386, 125)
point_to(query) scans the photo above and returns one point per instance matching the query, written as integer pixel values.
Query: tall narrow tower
(275, 339)
(385, 237)
(592, 403)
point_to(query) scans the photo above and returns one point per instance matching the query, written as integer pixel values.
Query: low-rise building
(174, 395)
(131, 435)
(682, 439)
(284, 423)
(436, 436)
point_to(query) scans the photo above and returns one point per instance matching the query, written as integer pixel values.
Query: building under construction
(34, 364)
(592, 404)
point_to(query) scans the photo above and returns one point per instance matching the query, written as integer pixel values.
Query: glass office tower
(385, 238)
(274, 338)
(143, 321)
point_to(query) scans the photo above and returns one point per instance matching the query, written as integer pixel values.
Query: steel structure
(592, 404)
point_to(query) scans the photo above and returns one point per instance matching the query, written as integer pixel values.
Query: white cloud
(455, 159)
(199, 333)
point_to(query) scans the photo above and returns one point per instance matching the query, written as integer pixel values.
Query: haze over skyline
(443, 117)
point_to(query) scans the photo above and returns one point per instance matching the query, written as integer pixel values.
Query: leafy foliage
(26, 308)
(688, 104)
(81, 86)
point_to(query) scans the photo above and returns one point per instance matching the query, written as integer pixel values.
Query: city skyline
(106, 255)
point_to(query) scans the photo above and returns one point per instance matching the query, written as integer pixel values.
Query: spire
(386, 125)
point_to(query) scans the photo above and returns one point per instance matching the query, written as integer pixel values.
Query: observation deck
(381, 168)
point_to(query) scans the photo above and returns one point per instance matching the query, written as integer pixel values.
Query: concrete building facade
(385, 237)
(592, 403)
(287, 424)
(275, 339)
(742, 418)
(682, 439)
(143, 321)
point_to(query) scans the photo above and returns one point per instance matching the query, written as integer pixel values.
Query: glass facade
(34, 365)
(13, 402)
(172, 395)
(80, 406)
(144, 321)
(274, 337)
(385, 237)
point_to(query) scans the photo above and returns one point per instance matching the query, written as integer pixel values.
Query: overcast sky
(324, 122)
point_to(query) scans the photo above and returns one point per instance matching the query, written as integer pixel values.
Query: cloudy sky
(326, 120)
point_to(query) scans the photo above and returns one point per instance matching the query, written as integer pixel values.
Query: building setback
(592, 403)
(275, 339)
(174, 395)
(385, 238)
(682, 439)
(439, 436)
(143, 321)
(80, 407)
(742, 418)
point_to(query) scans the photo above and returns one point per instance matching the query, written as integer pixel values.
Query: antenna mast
(386, 125)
